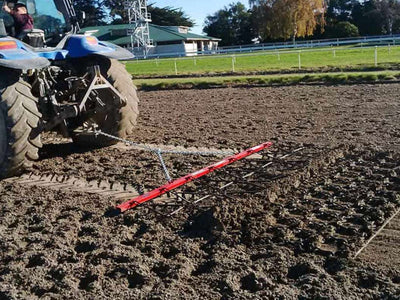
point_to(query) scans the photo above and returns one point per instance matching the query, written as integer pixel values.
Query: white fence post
(334, 53)
(176, 67)
(299, 60)
(376, 56)
(389, 48)
(195, 61)
(233, 63)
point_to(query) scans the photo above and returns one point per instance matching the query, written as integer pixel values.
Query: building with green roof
(166, 40)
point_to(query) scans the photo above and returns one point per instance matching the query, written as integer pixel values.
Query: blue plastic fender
(19, 56)
(23, 57)
(81, 46)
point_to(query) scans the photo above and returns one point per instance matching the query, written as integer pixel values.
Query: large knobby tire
(19, 114)
(118, 121)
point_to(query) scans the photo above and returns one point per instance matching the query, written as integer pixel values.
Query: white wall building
(167, 40)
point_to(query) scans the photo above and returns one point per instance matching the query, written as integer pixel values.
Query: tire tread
(22, 115)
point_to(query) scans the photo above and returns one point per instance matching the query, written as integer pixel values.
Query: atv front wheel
(19, 115)
(117, 121)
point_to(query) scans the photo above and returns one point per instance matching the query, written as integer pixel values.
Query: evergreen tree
(94, 12)
(166, 16)
(231, 24)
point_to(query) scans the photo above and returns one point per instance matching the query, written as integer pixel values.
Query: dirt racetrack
(291, 231)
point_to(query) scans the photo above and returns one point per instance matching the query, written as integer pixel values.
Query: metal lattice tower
(139, 20)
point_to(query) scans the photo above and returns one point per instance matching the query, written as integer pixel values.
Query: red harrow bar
(190, 177)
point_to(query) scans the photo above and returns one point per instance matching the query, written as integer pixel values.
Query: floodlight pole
(139, 20)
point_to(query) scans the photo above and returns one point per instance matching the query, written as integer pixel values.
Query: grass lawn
(314, 59)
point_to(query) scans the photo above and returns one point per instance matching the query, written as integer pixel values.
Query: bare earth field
(291, 231)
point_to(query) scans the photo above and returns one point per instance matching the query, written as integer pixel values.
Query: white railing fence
(307, 44)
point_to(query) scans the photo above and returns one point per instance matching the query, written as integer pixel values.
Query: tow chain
(159, 152)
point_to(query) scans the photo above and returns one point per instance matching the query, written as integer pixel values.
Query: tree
(169, 16)
(375, 17)
(338, 18)
(288, 18)
(166, 16)
(390, 12)
(232, 24)
(339, 10)
(342, 30)
(94, 12)
(367, 18)
(47, 23)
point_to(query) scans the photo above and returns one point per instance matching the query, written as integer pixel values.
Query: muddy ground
(291, 231)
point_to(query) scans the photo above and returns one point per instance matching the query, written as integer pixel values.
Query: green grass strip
(312, 60)
(266, 80)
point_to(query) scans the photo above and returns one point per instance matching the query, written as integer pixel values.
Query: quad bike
(69, 87)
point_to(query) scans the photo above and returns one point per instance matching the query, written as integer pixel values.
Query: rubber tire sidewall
(124, 119)
(19, 116)
(3, 138)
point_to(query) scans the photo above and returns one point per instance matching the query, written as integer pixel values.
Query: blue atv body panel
(23, 57)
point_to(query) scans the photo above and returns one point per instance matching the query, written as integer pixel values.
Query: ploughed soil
(292, 230)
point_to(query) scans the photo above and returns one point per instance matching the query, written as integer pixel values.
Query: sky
(197, 10)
